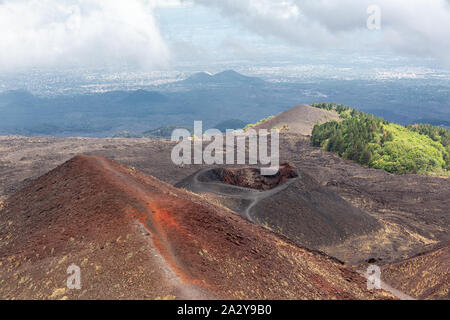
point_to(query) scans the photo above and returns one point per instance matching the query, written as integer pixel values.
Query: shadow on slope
(294, 205)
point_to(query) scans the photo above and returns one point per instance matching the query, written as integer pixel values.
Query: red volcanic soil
(426, 276)
(135, 237)
(251, 177)
(300, 119)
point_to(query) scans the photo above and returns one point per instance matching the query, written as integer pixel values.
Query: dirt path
(249, 197)
(384, 286)
(186, 287)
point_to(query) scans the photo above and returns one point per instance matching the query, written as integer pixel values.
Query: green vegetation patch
(377, 143)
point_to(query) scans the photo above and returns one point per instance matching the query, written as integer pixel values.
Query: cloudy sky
(155, 34)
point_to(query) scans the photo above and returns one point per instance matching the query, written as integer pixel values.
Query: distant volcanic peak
(300, 119)
(250, 177)
(228, 76)
(231, 75)
(201, 76)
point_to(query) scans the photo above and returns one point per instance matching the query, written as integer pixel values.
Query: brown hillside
(134, 236)
(300, 119)
(426, 276)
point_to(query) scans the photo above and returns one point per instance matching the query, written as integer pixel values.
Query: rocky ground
(413, 210)
(135, 237)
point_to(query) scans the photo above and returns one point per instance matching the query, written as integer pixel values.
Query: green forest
(377, 143)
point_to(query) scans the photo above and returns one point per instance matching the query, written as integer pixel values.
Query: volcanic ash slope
(135, 237)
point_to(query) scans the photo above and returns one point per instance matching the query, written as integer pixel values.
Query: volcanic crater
(251, 177)
(291, 203)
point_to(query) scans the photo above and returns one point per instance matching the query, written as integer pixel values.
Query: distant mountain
(128, 135)
(212, 98)
(200, 77)
(143, 96)
(232, 124)
(17, 97)
(230, 75)
(225, 77)
(91, 114)
(164, 132)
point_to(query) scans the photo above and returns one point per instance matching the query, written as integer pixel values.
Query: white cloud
(36, 33)
(170, 3)
(419, 27)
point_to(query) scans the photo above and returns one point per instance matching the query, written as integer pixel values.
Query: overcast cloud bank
(417, 27)
(40, 33)
(37, 33)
